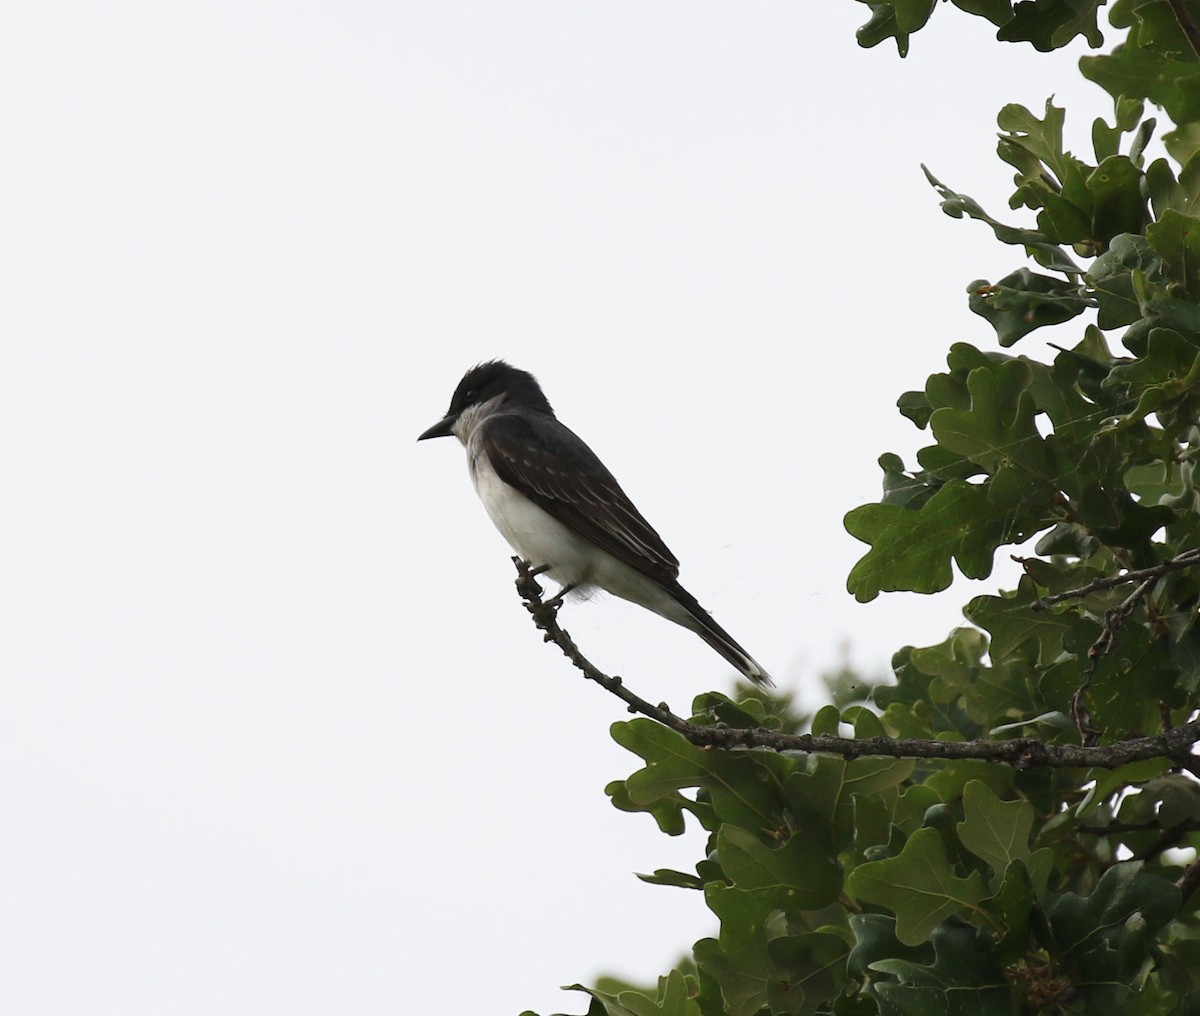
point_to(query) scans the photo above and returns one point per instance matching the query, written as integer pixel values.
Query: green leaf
(743, 914)
(808, 969)
(911, 15)
(1170, 194)
(811, 877)
(1112, 276)
(672, 761)
(1051, 24)
(1013, 905)
(668, 814)
(997, 832)
(1106, 140)
(1176, 238)
(1081, 923)
(1171, 364)
(1040, 247)
(1159, 30)
(875, 939)
(1138, 73)
(1118, 205)
(963, 978)
(743, 787)
(998, 12)
(1024, 301)
(673, 999)
(1011, 621)
(1043, 139)
(882, 25)
(1108, 936)
(742, 980)
(916, 407)
(828, 785)
(872, 821)
(919, 887)
(668, 876)
(997, 427)
(912, 550)
(1183, 142)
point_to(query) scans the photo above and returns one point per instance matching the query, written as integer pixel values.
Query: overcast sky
(276, 735)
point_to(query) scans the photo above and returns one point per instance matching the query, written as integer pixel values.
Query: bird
(560, 508)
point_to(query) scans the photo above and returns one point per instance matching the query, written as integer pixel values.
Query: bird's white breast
(536, 535)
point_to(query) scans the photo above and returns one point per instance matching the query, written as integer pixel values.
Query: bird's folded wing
(553, 467)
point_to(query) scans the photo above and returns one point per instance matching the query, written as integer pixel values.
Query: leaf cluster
(1044, 24)
(884, 885)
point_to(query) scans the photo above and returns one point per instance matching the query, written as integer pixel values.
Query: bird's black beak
(443, 428)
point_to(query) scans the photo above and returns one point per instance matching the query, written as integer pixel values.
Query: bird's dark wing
(551, 466)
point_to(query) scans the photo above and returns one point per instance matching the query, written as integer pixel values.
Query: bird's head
(492, 382)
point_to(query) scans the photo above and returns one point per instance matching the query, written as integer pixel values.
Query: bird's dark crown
(497, 378)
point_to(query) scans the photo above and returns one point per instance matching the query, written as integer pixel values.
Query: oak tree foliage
(898, 886)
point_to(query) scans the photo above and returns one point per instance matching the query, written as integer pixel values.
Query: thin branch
(1186, 23)
(1169, 838)
(1023, 752)
(1113, 620)
(1116, 617)
(1189, 880)
(1184, 560)
(545, 616)
(1115, 828)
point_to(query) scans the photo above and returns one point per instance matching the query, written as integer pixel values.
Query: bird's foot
(556, 600)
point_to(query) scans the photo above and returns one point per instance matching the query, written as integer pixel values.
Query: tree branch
(1113, 620)
(545, 616)
(1184, 560)
(1023, 752)
(1189, 880)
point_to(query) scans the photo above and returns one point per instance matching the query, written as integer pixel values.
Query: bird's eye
(470, 396)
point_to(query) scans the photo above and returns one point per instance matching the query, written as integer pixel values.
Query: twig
(1022, 752)
(1184, 17)
(546, 618)
(1184, 560)
(1115, 828)
(1189, 880)
(1165, 841)
(1113, 620)
(1116, 617)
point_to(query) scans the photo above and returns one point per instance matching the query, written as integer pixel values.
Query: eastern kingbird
(561, 510)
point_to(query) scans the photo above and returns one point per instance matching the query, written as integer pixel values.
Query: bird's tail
(701, 622)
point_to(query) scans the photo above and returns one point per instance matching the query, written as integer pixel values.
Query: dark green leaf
(963, 979)
(911, 15)
(679, 879)
(882, 26)
(1137, 73)
(919, 887)
(912, 549)
(1176, 237)
(916, 407)
(808, 969)
(1041, 247)
(1118, 205)
(1024, 301)
(1051, 24)
(811, 878)
(998, 12)
(742, 980)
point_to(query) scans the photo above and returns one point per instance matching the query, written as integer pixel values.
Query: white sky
(276, 735)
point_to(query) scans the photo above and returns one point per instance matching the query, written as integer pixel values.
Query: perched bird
(561, 510)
